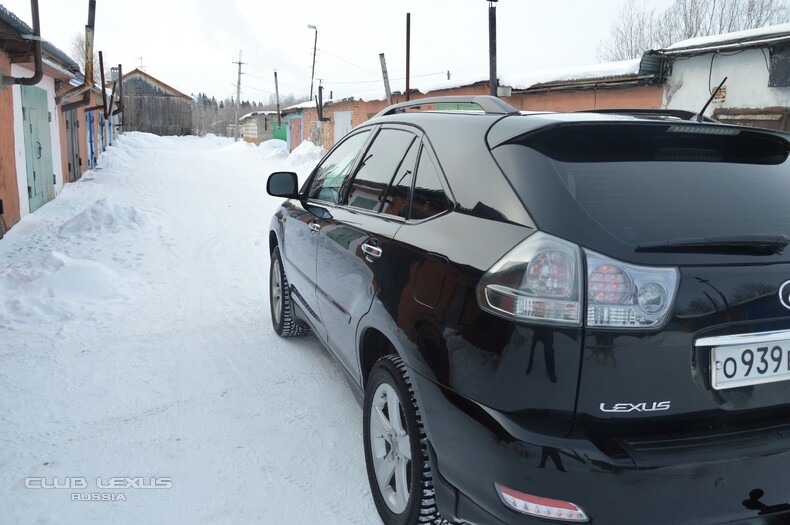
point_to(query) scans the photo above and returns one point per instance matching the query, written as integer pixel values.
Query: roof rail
(490, 105)
(681, 114)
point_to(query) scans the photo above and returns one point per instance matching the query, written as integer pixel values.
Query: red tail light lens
(622, 295)
(539, 281)
(608, 284)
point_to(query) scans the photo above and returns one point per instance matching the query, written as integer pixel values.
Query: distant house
(756, 64)
(259, 126)
(44, 138)
(152, 106)
(294, 122)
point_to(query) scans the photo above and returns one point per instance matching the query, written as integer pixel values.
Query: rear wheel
(283, 320)
(396, 449)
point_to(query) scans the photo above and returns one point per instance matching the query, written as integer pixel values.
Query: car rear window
(651, 183)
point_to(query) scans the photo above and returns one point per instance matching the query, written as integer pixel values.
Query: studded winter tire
(396, 449)
(283, 320)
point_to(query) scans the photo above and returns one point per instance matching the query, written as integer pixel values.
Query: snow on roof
(426, 86)
(589, 72)
(253, 113)
(302, 105)
(738, 37)
(516, 81)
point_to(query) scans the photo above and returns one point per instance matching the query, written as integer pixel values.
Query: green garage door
(38, 147)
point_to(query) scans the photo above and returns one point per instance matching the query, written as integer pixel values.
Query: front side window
(336, 168)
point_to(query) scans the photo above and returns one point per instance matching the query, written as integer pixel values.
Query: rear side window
(378, 168)
(429, 197)
(335, 169)
(398, 196)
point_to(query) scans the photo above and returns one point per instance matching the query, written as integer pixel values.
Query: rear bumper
(475, 447)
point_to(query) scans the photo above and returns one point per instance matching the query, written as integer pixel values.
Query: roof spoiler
(680, 114)
(490, 105)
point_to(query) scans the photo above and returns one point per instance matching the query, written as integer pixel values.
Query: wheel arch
(373, 345)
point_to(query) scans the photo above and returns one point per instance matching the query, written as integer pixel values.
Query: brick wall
(9, 189)
(645, 97)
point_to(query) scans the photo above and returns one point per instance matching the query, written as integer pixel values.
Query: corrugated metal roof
(14, 21)
(760, 37)
(606, 72)
(21, 27)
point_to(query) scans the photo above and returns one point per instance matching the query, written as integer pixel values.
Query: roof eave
(768, 40)
(594, 83)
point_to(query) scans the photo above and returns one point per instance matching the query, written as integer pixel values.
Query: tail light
(621, 295)
(552, 509)
(540, 280)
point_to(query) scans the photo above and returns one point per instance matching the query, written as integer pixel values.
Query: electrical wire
(379, 80)
(347, 62)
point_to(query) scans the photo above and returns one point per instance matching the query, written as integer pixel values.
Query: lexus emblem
(784, 294)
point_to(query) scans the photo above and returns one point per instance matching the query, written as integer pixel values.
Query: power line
(350, 63)
(379, 80)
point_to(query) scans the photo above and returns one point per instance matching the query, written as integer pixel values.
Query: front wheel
(396, 449)
(283, 320)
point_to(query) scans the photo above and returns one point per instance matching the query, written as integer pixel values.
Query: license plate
(750, 363)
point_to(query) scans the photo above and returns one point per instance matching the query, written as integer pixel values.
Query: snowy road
(135, 342)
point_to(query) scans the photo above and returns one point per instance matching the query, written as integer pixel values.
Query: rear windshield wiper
(769, 244)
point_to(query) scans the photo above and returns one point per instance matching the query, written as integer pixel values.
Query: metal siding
(150, 109)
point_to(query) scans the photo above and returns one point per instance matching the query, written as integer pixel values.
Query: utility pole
(492, 80)
(277, 97)
(408, 55)
(238, 100)
(386, 79)
(315, 45)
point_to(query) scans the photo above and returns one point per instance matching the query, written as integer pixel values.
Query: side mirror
(283, 184)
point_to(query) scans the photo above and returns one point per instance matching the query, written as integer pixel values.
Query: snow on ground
(136, 342)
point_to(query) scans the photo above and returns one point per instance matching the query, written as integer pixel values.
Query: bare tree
(632, 33)
(637, 29)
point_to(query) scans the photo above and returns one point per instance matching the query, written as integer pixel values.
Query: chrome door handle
(315, 227)
(371, 251)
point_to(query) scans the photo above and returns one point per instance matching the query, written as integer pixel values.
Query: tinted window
(335, 169)
(677, 185)
(378, 167)
(397, 201)
(429, 198)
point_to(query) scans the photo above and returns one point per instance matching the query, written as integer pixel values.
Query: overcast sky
(192, 44)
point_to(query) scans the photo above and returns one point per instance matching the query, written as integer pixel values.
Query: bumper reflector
(552, 509)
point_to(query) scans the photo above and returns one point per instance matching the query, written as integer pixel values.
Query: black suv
(550, 317)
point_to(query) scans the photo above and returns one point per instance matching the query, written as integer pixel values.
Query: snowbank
(241, 145)
(306, 155)
(103, 216)
(54, 288)
(273, 149)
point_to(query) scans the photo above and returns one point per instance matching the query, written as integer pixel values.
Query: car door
(353, 246)
(304, 219)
